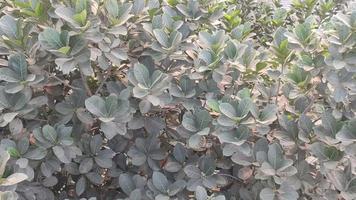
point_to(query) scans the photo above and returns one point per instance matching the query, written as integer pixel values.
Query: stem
(231, 176)
(63, 82)
(85, 83)
(103, 81)
(279, 83)
(282, 73)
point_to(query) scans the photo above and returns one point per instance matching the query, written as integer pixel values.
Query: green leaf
(65, 50)
(81, 5)
(36, 154)
(80, 186)
(96, 105)
(8, 75)
(303, 32)
(142, 75)
(244, 107)
(228, 110)
(81, 17)
(86, 165)
(50, 133)
(4, 157)
(160, 181)
(207, 164)
(17, 62)
(200, 193)
(61, 154)
(213, 104)
(275, 156)
(126, 183)
(161, 37)
(9, 26)
(267, 194)
(51, 39)
(13, 179)
(112, 7)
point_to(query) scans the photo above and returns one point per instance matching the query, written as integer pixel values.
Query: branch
(62, 81)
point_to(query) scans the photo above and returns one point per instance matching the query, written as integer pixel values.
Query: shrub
(178, 99)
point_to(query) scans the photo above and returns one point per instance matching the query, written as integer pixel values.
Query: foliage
(178, 99)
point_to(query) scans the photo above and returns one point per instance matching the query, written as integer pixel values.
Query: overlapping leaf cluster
(178, 99)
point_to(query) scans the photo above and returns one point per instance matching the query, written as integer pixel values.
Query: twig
(62, 81)
(309, 106)
(84, 79)
(231, 176)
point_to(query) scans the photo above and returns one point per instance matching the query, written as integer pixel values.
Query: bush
(178, 99)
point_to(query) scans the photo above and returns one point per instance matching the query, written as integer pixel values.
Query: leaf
(66, 64)
(203, 119)
(60, 153)
(51, 39)
(95, 144)
(80, 186)
(160, 181)
(112, 7)
(17, 62)
(138, 6)
(303, 31)
(50, 181)
(236, 136)
(172, 166)
(192, 171)
(8, 26)
(200, 193)
(66, 14)
(268, 114)
(126, 183)
(14, 179)
(176, 187)
(287, 192)
(36, 154)
(179, 152)
(267, 194)
(81, 5)
(86, 165)
(95, 178)
(9, 75)
(111, 105)
(347, 132)
(275, 156)
(244, 107)
(142, 74)
(81, 17)
(123, 15)
(13, 88)
(109, 129)
(343, 18)
(138, 158)
(84, 116)
(228, 110)
(50, 133)
(207, 164)
(104, 158)
(161, 37)
(65, 50)
(4, 157)
(96, 105)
